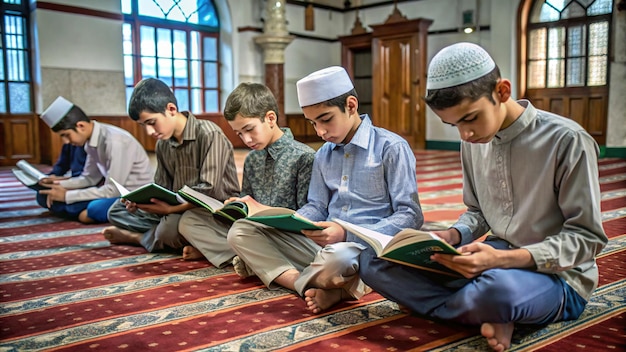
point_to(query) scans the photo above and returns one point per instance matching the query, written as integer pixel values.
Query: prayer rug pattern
(64, 288)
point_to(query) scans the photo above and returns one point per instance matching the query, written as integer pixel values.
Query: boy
(83, 197)
(72, 160)
(277, 172)
(189, 152)
(362, 174)
(529, 176)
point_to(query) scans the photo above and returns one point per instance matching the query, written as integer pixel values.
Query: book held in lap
(409, 247)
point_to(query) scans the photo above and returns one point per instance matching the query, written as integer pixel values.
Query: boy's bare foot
(191, 253)
(498, 335)
(115, 235)
(317, 300)
(241, 268)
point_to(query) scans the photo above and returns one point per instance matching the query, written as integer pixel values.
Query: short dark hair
(340, 101)
(68, 122)
(444, 98)
(150, 95)
(250, 100)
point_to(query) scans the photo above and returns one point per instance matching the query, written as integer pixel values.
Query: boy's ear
(271, 118)
(352, 104)
(503, 89)
(171, 108)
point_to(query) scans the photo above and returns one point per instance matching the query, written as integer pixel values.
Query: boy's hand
(451, 235)
(56, 193)
(477, 257)
(332, 233)
(157, 206)
(130, 206)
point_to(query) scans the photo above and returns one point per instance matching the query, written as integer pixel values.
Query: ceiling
(340, 5)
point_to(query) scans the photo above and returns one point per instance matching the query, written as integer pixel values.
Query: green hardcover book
(143, 194)
(283, 219)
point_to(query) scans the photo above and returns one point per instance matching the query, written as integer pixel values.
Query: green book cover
(143, 194)
(286, 222)
(418, 254)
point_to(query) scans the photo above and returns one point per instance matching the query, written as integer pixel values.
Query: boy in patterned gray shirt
(277, 172)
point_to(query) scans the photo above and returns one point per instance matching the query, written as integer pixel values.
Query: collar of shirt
(509, 133)
(361, 137)
(95, 134)
(189, 132)
(276, 148)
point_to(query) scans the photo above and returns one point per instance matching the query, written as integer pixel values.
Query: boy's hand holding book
(332, 233)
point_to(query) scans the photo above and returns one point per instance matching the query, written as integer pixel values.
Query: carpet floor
(63, 287)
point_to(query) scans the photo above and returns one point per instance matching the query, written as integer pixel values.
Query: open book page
(28, 175)
(31, 170)
(377, 240)
(200, 199)
(123, 191)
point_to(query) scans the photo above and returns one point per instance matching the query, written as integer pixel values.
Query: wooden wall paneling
(597, 106)
(20, 136)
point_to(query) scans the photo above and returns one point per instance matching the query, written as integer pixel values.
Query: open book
(223, 212)
(29, 175)
(408, 247)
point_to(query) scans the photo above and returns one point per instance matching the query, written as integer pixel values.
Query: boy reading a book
(277, 171)
(86, 197)
(189, 152)
(362, 174)
(71, 160)
(529, 176)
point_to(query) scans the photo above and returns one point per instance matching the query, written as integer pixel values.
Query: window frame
(136, 21)
(22, 10)
(567, 23)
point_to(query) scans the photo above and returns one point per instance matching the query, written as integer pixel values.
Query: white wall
(81, 56)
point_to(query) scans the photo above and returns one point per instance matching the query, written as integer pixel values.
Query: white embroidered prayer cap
(323, 85)
(56, 111)
(458, 64)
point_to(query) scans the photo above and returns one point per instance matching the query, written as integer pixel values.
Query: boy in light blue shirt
(363, 174)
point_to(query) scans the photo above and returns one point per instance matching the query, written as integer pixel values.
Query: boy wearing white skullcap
(531, 178)
(362, 174)
(85, 197)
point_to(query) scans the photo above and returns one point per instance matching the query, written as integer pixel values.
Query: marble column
(274, 40)
(616, 128)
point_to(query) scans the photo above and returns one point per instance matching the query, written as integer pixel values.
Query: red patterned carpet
(64, 288)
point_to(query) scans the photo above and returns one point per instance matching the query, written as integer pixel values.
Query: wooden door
(399, 78)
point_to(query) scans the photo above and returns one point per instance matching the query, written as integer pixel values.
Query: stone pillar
(274, 40)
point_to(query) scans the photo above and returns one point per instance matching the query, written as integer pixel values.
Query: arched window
(15, 75)
(566, 59)
(568, 43)
(176, 41)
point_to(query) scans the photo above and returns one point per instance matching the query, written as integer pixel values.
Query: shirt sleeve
(64, 161)
(305, 168)
(117, 167)
(471, 224)
(582, 236)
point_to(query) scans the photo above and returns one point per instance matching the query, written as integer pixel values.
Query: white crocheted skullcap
(323, 85)
(56, 111)
(458, 64)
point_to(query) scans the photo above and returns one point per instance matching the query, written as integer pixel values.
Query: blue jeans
(495, 296)
(96, 209)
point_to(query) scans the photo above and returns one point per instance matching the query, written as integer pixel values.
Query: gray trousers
(207, 235)
(270, 252)
(160, 233)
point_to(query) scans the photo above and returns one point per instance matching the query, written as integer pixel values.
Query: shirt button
(345, 208)
(345, 178)
(347, 155)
